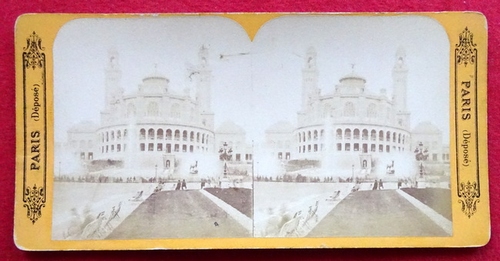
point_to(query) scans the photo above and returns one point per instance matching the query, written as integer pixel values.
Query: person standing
(380, 184)
(178, 187)
(184, 186)
(375, 185)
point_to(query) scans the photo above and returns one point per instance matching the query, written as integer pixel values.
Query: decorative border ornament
(35, 127)
(33, 47)
(35, 198)
(465, 53)
(466, 123)
(470, 194)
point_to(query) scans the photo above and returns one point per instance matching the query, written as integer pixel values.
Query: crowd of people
(301, 178)
(108, 179)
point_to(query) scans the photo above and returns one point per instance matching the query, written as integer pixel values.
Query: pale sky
(263, 86)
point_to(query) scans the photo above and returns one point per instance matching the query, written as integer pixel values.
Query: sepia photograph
(187, 127)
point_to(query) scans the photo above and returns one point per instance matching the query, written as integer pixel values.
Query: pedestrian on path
(380, 184)
(184, 186)
(178, 187)
(375, 185)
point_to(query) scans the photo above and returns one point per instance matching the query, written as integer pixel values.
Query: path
(377, 213)
(178, 214)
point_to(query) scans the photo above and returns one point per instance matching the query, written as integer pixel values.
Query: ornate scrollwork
(33, 56)
(34, 202)
(469, 192)
(465, 48)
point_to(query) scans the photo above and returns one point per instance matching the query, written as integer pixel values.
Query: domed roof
(84, 126)
(426, 127)
(229, 127)
(281, 127)
(353, 76)
(155, 75)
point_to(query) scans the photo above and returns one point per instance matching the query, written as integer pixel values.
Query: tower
(203, 91)
(203, 96)
(399, 78)
(310, 89)
(113, 89)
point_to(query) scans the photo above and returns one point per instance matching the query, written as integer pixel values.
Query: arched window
(388, 136)
(322, 134)
(159, 134)
(356, 134)
(112, 135)
(399, 138)
(142, 134)
(151, 134)
(184, 135)
(124, 133)
(203, 139)
(393, 137)
(381, 135)
(309, 135)
(177, 135)
(197, 137)
(364, 135)
(131, 110)
(339, 134)
(175, 111)
(347, 134)
(191, 136)
(315, 135)
(373, 135)
(169, 134)
(349, 110)
(303, 136)
(118, 135)
(107, 136)
(153, 109)
(371, 111)
(300, 137)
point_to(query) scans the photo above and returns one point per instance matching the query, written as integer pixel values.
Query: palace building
(350, 131)
(153, 127)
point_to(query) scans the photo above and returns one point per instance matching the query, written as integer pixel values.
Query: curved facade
(352, 131)
(155, 127)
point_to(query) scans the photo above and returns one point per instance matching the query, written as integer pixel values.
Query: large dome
(352, 77)
(229, 127)
(84, 126)
(155, 76)
(426, 127)
(281, 127)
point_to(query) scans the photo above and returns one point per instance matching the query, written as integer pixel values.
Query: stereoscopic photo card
(268, 130)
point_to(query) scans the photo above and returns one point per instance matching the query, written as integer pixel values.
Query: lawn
(436, 198)
(238, 198)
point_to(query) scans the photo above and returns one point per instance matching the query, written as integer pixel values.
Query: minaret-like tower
(399, 78)
(113, 88)
(203, 96)
(310, 90)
